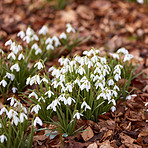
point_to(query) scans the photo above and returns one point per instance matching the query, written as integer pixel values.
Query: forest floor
(111, 24)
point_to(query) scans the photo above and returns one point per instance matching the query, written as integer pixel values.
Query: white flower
(22, 117)
(77, 115)
(69, 87)
(63, 36)
(16, 67)
(35, 46)
(81, 70)
(3, 110)
(127, 57)
(140, 1)
(3, 83)
(110, 82)
(122, 50)
(15, 119)
(21, 34)
(69, 28)
(0, 125)
(49, 93)
(69, 100)
(29, 32)
(146, 104)
(53, 104)
(38, 51)
(39, 65)
(84, 104)
(43, 30)
(35, 79)
(33, 94)
(117, 77)
(49, 41)
(51, 69)
(41, 98)
(35, 37)
(14, 89)
(28, 80)
(9, 42)
(12, 113)
(56, 41)
(115, 55)
(3, 138)
(36, 108)
(12, 55)
(12, 100)
(130, 96)
(10, 76)
(116, 88)
(21, 56)
(113, 108)
(37, 121)
(27, 39)
(49, 46)
(44, 80)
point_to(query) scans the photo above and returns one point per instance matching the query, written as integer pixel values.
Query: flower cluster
(45, 46)
(82, 87)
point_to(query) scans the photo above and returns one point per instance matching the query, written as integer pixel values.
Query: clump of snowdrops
(15, 125)
(49, 47)
(15, 68)
(84, 87)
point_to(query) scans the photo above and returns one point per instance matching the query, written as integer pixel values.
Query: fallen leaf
(87, 134)
(93, 145)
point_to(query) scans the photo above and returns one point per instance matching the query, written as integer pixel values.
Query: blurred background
(110, 23)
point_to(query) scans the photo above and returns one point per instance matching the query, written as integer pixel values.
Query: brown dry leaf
(87, 134)
(143, 134)
(85, 12)
(106, 135)
(105, 144)
(93, 145)
(126, 139)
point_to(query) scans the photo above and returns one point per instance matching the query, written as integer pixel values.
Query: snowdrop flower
(51, 69)
(50, 93)
(116, 88)
(85, 85)
(69, 87)
(69, 100)
(63, 36)
(9, 42)
(85, 105)
(122, 50)
(81, 70)
(44, 80)
(37, 121)
(117, 77)
(56, 40)
(3, 138)
(43, 30)
(115, 55)
(77, 81)
(3, 110)
(113, 108)
(10, 76)
(35, 46)
(22, 117)
(33, 94)
(77, 115)
(12, 55)
(36, 108)
(89, 53)
(38, 65)
(49, 41)
(1, 51)
(35, 80)
(16, 67)
(69, 28)
(110, 82)
(3, 83)
(0, 125)
(127, 57)
(12, 113)
(140, 1)
(14, 89)
(41, 98)
(27, 39)
(12, 100)
(21, 56)
(29, 32)
(53, 104)
(49, 46)
(38, 51)
(21, 34)
(130, 96)
(146, 104)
